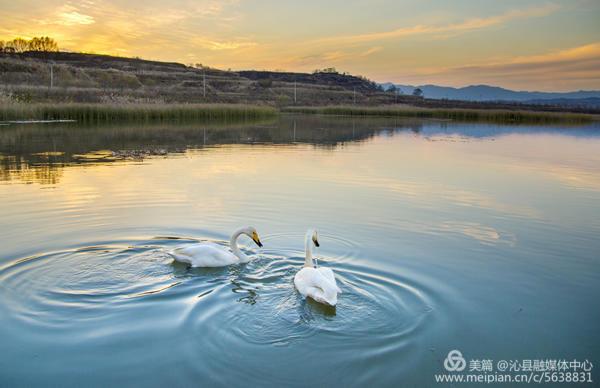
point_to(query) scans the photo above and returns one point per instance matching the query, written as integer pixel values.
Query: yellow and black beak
(316, 242)
(256, 239)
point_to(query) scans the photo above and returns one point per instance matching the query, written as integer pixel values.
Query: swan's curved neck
(234, 247)
(308, 261)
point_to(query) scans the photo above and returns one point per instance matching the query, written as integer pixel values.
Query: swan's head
(253, 234)
(314, 236)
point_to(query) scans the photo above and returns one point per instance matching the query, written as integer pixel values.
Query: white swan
(207, 254)
(313, 281)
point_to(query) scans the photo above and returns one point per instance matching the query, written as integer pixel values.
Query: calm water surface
(478, 237)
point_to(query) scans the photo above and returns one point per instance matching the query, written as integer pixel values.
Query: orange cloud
(68, 15)
(466, 26)
(73, 18)
(222, 45)
(567, 69)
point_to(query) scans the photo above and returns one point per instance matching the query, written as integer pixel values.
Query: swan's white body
(317, 283)
(208, 254)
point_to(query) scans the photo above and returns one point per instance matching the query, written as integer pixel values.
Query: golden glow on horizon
(530, 44)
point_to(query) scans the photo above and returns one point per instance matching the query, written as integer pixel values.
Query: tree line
(20, 45)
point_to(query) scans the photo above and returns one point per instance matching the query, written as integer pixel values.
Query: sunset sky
(525, 45)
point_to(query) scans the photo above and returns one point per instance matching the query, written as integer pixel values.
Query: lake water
(477, 237)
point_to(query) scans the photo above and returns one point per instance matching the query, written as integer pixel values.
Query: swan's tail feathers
(330, 296)
(174, 256)
(177, 257)
(170, 253)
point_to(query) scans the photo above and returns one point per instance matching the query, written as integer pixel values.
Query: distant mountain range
(494, 93)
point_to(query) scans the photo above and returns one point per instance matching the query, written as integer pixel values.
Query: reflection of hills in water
(38, 153)
(490, 130)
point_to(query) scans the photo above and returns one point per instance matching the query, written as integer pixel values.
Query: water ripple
(88, 292)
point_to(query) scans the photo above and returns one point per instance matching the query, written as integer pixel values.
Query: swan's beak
(316, 243)
(256, 239)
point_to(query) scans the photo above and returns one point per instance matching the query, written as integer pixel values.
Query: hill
(58, 77)
(494, 93)
(587, 102)
(78, 77)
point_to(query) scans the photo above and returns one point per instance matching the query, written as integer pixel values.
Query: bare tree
(35, 44)
(418, 92)
(18, 45)
(43, 43)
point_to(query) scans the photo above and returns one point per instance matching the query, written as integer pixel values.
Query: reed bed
(505, 116)
(97, 113)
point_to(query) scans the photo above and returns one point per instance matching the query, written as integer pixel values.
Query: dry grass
(507, 116)
(91, 113)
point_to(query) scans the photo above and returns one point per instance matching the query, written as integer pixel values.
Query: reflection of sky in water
(496, 227)
(405, 180)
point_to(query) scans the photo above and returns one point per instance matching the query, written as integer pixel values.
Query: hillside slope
(57, 77)
(102, 78)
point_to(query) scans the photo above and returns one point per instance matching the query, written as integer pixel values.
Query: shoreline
(458, 114)
(98, 113)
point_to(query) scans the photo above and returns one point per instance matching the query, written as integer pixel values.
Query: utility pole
(354, 98)
(204, 84)
(295, 93)
(51, 74)
(294, 138)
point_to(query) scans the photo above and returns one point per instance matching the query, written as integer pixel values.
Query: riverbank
(99, 113)
(92, 113)
(494, 115)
